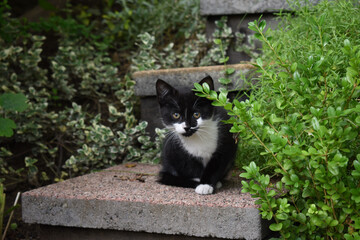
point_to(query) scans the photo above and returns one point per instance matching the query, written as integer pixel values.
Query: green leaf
(262, 25)
(198, 87)
(217, 41)
(333, 168)
(224, 60)
(275, 227)
(258, 36)
(301, 217)
(282, 216)
(252, 26)
(6, 127)
(334, 223)
(331, 112)
(30, 161)
(283, 75)
(213, 95)
(224, 81)
(229, 71)
(315, 124)
(271, 193)
(222, 98)
(274, 119)
(279, 103)
(347, 43)
(206, 88)
(259, 62)
(13, 102)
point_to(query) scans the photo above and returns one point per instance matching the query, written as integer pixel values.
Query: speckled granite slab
(127, 197)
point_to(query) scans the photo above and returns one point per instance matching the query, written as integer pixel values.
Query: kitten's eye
(196, 115)
(176, 115)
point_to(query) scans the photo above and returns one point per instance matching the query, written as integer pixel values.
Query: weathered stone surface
(231, 7)
(145, 80)
(130, 199)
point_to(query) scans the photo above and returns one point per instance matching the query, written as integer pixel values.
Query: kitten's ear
(209, 81)
(163, 89)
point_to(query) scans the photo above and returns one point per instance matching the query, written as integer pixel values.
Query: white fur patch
(203, 142)
(204, 189)
(179, 127)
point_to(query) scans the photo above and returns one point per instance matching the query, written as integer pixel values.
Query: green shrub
(118, 23)
(305, 116)
(80, 114)
(196, 51)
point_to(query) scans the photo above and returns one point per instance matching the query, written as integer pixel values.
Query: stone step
(235, 7)
(145, 85)
(239, 13)
(145, 80)
(128, 198)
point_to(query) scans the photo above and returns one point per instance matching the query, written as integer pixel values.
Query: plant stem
(267, 149)
(11, 215)
(278, 132)
(272, 49)
(349, 98)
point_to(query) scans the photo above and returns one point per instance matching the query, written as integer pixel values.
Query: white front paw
(204, 189)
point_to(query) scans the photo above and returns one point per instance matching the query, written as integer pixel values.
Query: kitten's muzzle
(189, 131)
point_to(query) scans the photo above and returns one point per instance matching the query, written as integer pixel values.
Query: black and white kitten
(199, 150)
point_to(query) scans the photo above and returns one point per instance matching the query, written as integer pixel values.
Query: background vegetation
(70, 77)
(305, 116)
(73, 110)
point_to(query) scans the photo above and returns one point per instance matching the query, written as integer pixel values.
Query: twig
(11, 215)
(349, 98)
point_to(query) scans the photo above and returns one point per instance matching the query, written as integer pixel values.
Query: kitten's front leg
(214, 172)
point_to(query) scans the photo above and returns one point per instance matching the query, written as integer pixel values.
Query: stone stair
(128, 198)
(126, 202)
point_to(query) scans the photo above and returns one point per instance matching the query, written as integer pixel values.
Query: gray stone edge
(199, 221)
(232, 7)
(146, 80)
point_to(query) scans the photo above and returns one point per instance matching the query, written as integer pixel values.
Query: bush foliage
(73, 69)
(305, 115)
(81, 113)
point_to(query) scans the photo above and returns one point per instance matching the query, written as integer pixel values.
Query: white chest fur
(203, 143)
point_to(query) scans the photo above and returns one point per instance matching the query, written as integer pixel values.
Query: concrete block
(231, 7)
(130, 199)
(145, 80)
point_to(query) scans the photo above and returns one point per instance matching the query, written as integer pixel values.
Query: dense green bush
(81, 112)
(118, 23)
(72, 69)
(197, 50)
(305, 114)
(82, 104)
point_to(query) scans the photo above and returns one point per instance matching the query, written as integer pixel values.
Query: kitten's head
(181, 110)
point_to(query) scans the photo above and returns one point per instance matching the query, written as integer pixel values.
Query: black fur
(179, 167)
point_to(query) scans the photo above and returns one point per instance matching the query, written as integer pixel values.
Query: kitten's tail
(169, 179)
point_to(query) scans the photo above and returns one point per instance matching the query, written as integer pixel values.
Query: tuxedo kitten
(199, 150)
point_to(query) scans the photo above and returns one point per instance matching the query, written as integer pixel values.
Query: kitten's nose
(186, 128)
